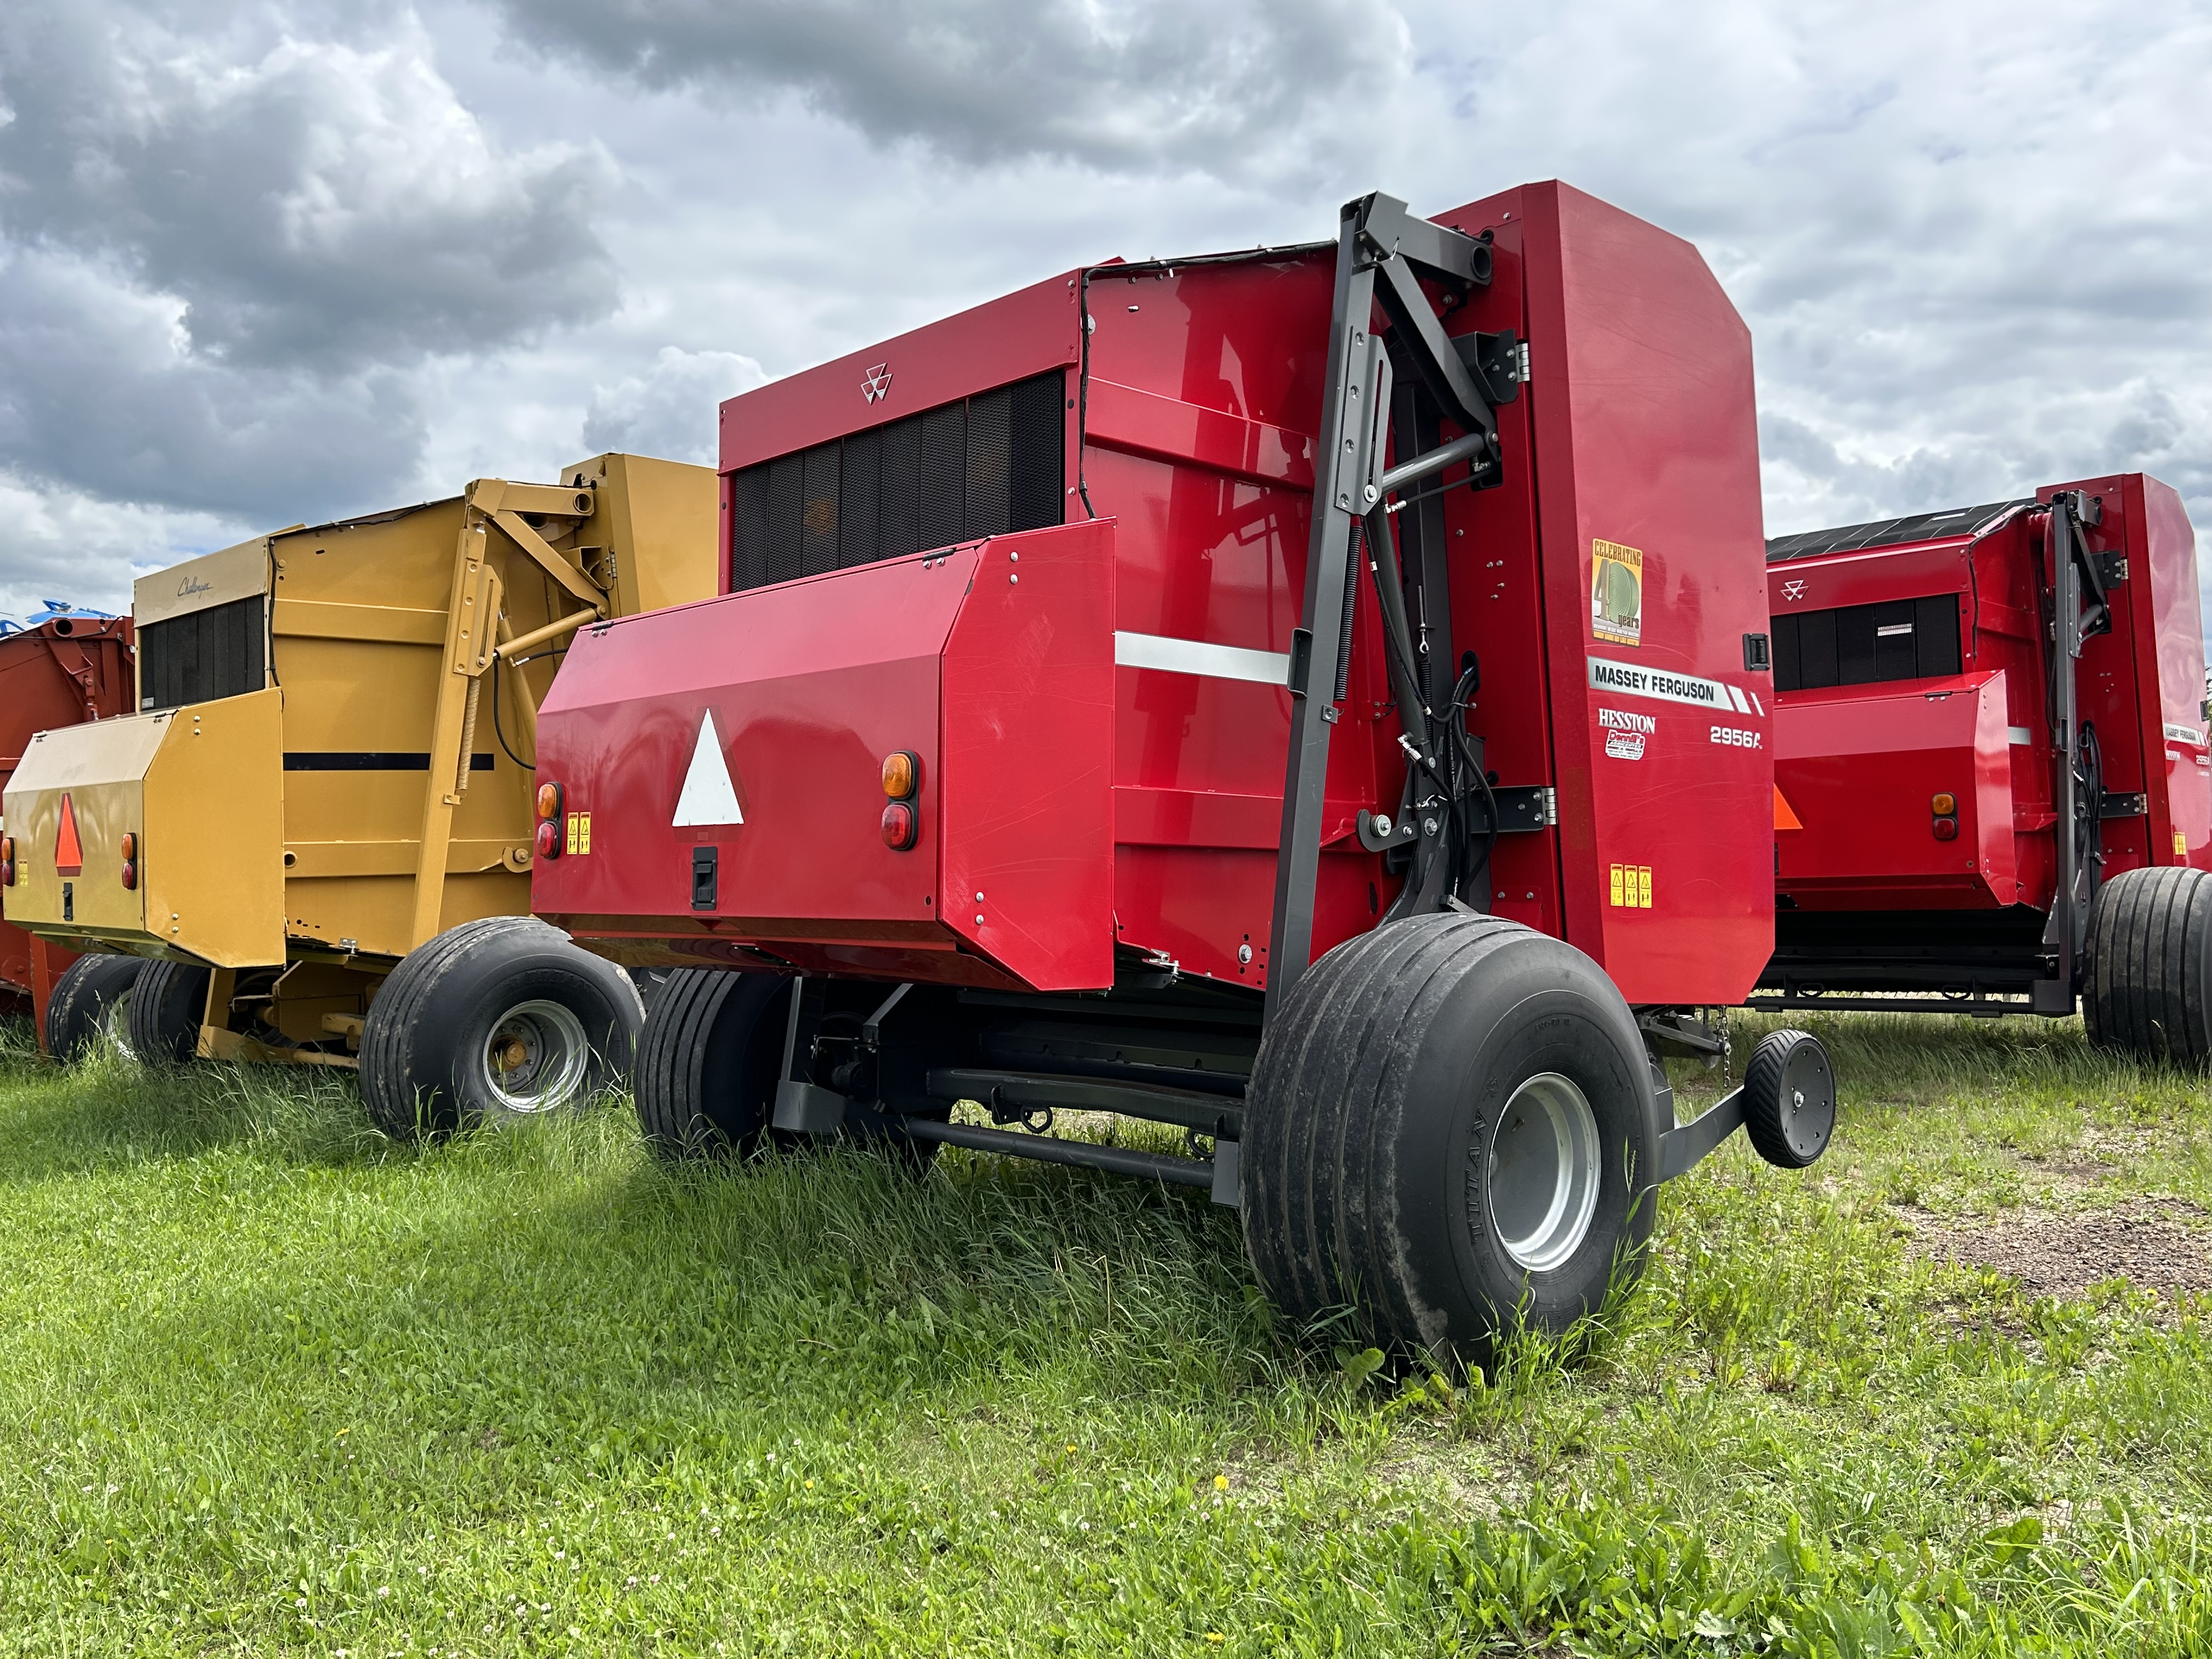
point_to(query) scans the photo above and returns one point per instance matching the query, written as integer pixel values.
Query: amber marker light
(902, 773)
(1945, 807)
(549, 802)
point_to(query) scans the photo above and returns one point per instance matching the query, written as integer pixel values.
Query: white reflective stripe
(2019, 734)
(1755, 703)
(1218, 662)
(1742, 706)
(1634, 680)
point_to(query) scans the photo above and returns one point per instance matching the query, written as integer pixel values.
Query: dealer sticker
(1616, 593)
(1626, 734)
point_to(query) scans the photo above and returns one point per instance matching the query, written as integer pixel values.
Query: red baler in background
(1993, 791)
(61, 669)
(1315, 698)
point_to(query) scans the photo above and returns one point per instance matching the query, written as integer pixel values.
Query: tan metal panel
(377, 624)
(100, 767)
(201, 583)
(214, 849)
(659, 519)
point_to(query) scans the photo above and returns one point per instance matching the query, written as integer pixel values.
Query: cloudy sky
(263, 263)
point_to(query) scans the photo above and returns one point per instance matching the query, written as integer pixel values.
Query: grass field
(269, 1382)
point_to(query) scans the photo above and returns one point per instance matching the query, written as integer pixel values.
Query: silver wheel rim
(115, 1023)
(535, 1057)
(1544, 1169)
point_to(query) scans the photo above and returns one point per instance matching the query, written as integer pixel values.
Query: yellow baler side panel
(378, 911)
(101, 766)
(397, 561)
(214, 848)
(660, 518)
(361, 629)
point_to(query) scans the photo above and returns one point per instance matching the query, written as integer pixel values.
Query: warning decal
(1616, 593)
(708, 796)
(69, 850)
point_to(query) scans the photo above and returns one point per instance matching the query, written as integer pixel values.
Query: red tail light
(1946, 829)
(549, 838)
(901, 828)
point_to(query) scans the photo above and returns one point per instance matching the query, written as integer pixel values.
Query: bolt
(1016, 558)
(1243, 953)
(979, 918)
(1014, 577)
(1382, 823)
(979, 898)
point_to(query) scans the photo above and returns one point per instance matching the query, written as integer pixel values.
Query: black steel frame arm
(1383, 251)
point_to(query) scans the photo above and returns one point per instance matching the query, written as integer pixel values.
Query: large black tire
(2146, 983)
(1382, 1171)
(712, 1055)
(92, 999)
(166, 1008)
(709, 1061)
(494, 1021)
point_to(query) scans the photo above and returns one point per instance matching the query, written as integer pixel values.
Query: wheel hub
(535, 1057)
(1543, 1173)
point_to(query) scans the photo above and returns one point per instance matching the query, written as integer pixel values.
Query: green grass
(269, 1382)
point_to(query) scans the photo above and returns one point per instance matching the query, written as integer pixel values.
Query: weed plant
(270, 1382)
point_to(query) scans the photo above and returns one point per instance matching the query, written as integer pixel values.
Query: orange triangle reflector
(1784, 818)
(69, 851)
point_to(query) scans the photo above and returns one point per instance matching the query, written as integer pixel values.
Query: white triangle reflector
(708, 796)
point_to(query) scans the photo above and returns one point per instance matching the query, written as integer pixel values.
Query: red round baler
(1993, 792)
(1314, 698)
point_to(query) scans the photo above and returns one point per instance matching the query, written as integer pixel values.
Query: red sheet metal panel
(1860, 766)
(1192, 428)
(1001, 687)
(2156, 653)
(1024, 333)
(1646, 445)
(70, 669)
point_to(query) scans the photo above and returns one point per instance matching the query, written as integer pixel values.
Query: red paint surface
(1204, 388)
(1003, 690)
(71, 669)
(1857, 764)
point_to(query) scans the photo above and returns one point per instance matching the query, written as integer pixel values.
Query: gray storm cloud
(263, 260)
(1142, 84)
(221, 254)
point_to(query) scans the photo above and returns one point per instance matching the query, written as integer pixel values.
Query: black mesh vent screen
(1863, 644)
(220, 652)
(990, 466)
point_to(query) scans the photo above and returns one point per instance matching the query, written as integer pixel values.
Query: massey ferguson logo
(1793, 591)
(877, 385)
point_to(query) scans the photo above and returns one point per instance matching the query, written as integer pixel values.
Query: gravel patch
(2155, 1245)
